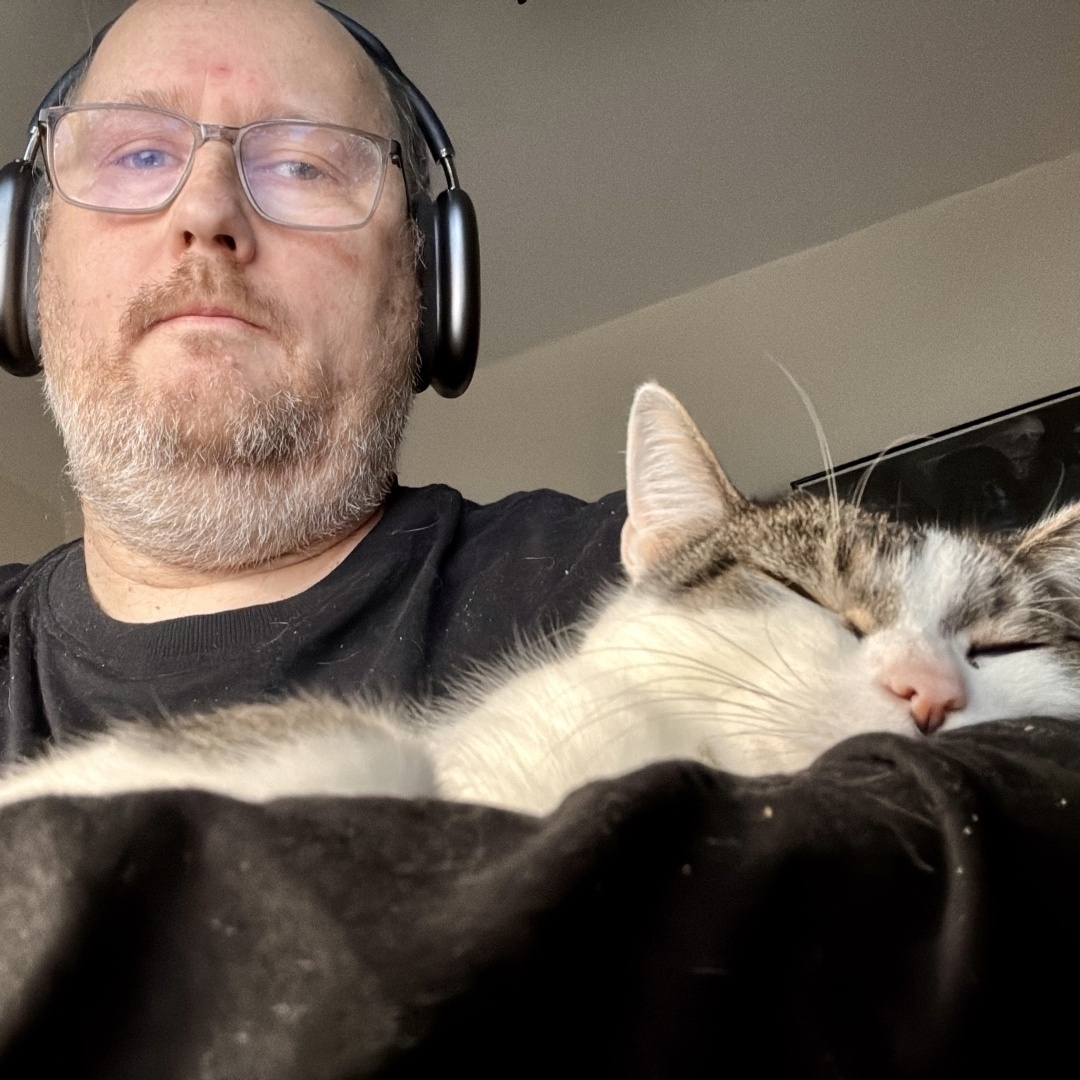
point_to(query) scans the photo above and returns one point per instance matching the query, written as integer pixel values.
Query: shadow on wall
(28, 525)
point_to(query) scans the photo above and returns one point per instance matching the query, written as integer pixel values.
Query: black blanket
(903, 908)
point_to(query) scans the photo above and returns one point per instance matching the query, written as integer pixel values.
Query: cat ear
(675, 488)
(1055, 539)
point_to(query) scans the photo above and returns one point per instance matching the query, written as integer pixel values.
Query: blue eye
(144, 160)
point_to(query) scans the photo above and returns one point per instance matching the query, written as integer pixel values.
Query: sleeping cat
(751, 636)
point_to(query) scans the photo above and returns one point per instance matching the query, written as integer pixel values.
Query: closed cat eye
(848, 623)
(793, 586)
(1001, 648)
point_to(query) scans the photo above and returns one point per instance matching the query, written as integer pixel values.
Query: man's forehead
(262, 57)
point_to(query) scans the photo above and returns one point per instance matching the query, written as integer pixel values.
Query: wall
(928, 319)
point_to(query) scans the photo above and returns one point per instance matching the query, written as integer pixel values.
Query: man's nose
(212, 212)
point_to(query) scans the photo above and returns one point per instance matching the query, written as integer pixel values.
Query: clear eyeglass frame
(49, 118)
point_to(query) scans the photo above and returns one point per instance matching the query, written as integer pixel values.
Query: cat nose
(932, 690)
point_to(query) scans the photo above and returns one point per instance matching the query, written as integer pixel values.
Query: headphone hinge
(32, 145)
(446, 160)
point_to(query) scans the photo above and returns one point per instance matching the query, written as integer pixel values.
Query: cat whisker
(783, 659)
(680, 659)
(864, 479)
(718, 682)
(753, 720)
(714, 681)
(712, 678)
(728, 641)
(1048, 507)
(819, 431)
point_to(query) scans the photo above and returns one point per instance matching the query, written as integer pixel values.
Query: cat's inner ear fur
(675, 488)
(1055, 541)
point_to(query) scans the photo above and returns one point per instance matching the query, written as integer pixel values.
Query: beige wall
(29, 524)
(919, 322)
(37, 507)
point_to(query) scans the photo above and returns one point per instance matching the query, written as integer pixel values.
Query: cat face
(846, 619)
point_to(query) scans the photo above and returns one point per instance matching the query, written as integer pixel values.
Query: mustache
(197, 282)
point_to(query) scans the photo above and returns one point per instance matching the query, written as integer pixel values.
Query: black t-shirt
(437, 587)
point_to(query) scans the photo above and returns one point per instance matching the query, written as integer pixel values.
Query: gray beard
(286, 477)
(278, 473)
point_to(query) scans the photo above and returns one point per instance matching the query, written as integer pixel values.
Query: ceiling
(621, 152)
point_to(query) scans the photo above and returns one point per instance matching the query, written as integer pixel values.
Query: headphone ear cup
(457, 273)
(18, 338)
(450, 287)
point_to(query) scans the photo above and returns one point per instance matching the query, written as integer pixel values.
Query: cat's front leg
(259, 752)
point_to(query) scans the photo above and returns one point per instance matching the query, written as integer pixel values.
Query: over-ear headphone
(449, 261)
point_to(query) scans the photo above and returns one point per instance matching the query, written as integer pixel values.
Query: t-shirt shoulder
(13, 576)
(540, 511)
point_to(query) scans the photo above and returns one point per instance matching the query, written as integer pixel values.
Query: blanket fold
(903, 908)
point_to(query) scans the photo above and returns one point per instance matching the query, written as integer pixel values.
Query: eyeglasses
(132, 159)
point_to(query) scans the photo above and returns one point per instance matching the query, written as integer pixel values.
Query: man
(232, 391)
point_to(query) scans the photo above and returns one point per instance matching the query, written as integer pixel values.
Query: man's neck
(131, 588)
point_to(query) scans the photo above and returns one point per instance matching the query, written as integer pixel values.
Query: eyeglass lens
(295, 172)
(311, 174)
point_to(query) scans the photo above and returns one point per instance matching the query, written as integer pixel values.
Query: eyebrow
(172, 98)
(162, 99)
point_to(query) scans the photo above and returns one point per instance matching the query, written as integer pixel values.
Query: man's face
(237, 345)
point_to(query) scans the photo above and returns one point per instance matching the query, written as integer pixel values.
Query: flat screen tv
(1001, 471)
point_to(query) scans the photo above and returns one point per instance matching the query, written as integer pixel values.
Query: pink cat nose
(931, 690)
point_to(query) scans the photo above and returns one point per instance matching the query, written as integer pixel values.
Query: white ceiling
(625, 151)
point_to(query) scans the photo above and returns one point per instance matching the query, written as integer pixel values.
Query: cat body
(729, 665)
(750, 636)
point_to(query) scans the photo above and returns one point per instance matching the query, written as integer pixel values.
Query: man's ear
(675, 488)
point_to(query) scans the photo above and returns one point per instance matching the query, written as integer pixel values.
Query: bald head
(315, 57)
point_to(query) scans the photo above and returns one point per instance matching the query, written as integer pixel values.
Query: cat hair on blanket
(750, 636)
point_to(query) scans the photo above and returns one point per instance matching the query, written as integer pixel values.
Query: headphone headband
(62, 87)
(435, 134)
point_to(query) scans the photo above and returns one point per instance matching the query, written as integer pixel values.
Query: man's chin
(216, 358)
